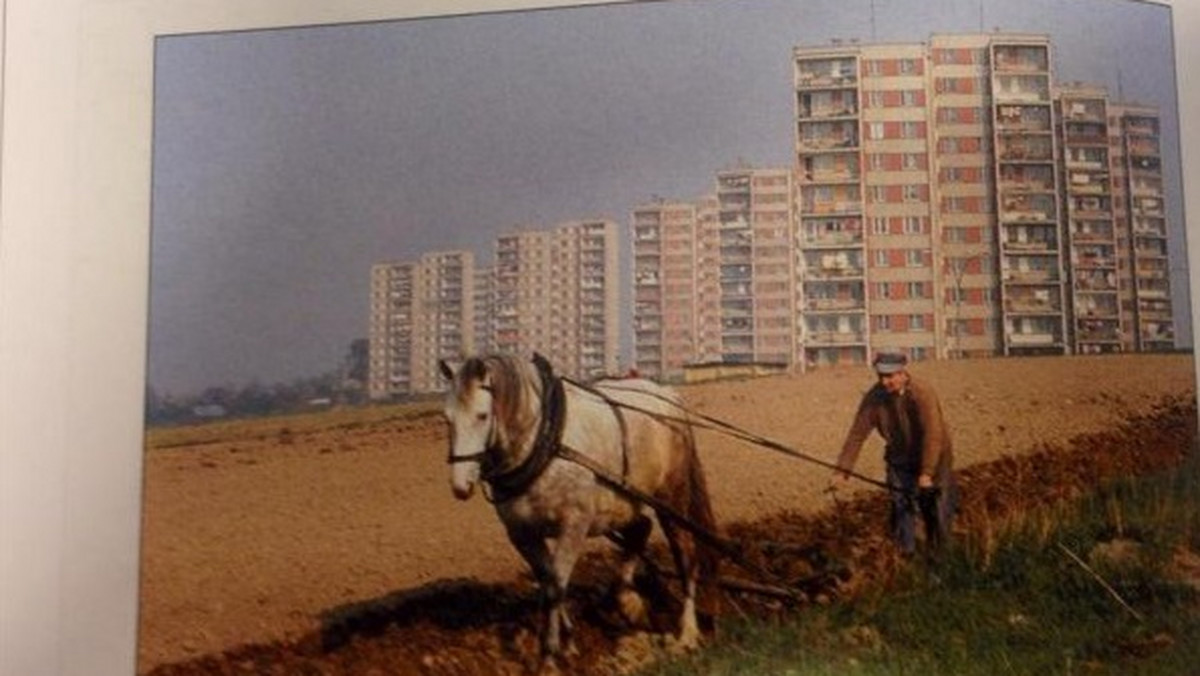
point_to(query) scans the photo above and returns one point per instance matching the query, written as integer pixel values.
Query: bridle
(491, 449)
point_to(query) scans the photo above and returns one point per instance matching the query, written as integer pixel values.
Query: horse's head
(470, 411)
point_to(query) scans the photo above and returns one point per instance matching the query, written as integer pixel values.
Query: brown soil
(338, 549)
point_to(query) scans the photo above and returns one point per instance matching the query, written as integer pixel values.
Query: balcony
(1025, 216)
(1031, 305)
(832, 208)
(833, 239)
(1031, 277)
(832, 79)
(817, 338)
(828, 143)
(835, 304)
(1030, 339)
(826, 112)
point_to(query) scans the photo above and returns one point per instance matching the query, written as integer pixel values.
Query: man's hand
(924, 481)
(840, 478)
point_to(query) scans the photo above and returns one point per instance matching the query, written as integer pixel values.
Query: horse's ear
(447, 372)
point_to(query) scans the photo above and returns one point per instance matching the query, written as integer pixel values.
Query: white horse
(510, 421)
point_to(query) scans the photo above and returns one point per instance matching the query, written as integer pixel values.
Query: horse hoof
(684, 643)
(549, 667)
(632, 608)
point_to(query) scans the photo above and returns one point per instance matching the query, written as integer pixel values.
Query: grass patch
(1019, 605)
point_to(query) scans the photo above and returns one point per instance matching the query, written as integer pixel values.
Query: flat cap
(889, 362)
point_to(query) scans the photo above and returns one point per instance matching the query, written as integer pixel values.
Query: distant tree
(358, 360)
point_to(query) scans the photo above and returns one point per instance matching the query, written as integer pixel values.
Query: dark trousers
(935, 506)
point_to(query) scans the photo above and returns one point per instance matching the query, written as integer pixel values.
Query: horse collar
(511, 483)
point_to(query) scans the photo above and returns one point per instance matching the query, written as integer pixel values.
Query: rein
(696, 419)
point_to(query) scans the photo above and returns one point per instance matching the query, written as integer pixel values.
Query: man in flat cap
(918, 453)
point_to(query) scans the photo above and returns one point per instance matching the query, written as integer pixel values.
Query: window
(912, 161)
(910, 129)
(910, 97)
(883, 323)
(913, 258)
(908, 66)
(916, 322)
(916, 289)
(875, 99)
(912, 193)
(881, 258)
(876, 161)
(878, 193)
(913, 225)
(883, 290)
(875, 130)
(879, 225)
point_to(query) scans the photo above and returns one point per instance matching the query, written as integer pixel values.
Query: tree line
(344, 385)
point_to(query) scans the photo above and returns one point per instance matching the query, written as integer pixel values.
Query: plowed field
(330, 543)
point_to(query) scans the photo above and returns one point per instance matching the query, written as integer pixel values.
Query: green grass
(1022, 607)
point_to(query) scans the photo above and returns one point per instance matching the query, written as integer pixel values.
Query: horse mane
(514, 417)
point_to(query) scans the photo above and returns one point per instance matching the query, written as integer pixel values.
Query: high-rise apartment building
(665, 292)
(1093, 240)
(556, 292)
(550, 291)
(714, 279)
(953, 201)
(967, 289)
(831, 268)
(754, 266)
(1141, 218)
(421, 312)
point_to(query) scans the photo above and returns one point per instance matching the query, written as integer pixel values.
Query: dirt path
(265, 538)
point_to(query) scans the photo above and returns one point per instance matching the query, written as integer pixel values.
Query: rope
(728, 429)
(726, 548)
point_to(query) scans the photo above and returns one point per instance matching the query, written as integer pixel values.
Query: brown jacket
(926, 445)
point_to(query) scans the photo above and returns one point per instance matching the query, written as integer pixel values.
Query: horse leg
(536, 552)
(566, 552)
(683, 550)
(632, 538)
(552, 561)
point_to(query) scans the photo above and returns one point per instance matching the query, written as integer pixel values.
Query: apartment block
(754, 266)
(666, 235)
(1095, 243)
(714, 278)
(967, 288)
(831, 266)
(421, 312)
(484, 321)
(1141, 220)
(953, 201)
(1032, 275)
(556, 293)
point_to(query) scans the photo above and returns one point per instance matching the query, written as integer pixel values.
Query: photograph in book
(741, 202)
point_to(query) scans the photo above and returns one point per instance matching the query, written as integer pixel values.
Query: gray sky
(286, 162)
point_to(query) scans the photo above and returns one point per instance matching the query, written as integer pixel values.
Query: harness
(507, 483)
